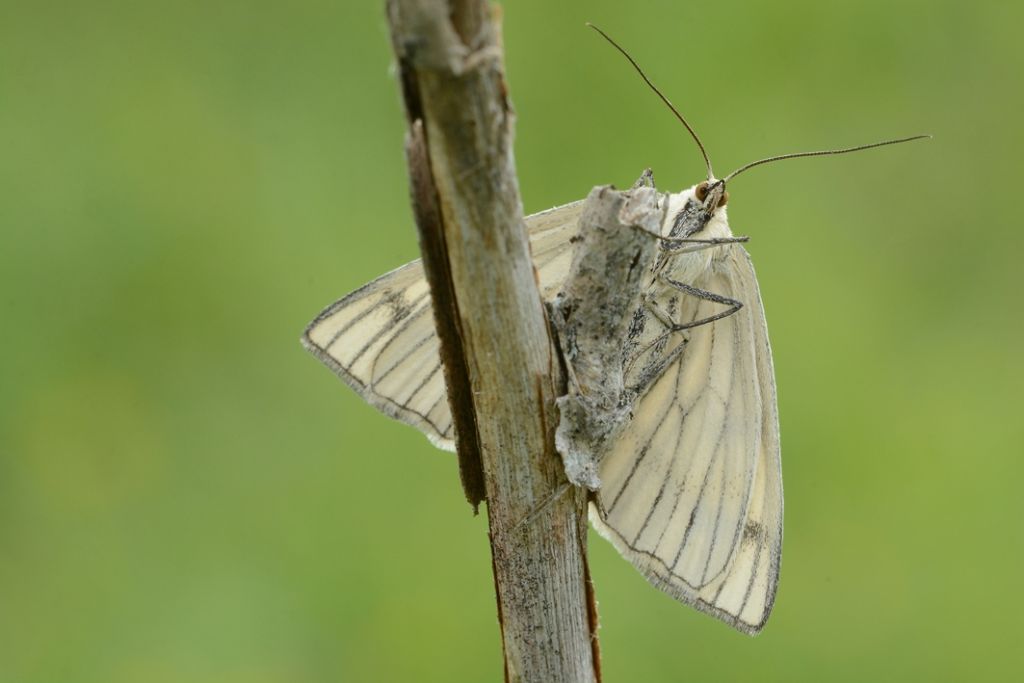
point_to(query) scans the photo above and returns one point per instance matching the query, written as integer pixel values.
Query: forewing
(551, 245)
(691, 489)
(381, 339)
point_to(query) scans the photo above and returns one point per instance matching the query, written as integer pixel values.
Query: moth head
(712, 194)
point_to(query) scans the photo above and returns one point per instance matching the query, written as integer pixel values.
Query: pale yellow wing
(381, 340)
(692, 488)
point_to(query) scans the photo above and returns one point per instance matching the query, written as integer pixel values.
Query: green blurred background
(186, 495)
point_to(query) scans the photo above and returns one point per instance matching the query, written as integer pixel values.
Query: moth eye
(724, 199)
(702, 191)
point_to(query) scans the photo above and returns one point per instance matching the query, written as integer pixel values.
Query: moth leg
(654, 307)
(666, 320)
(677, 245)
(674, 328)
(733, 304)
(653, 371)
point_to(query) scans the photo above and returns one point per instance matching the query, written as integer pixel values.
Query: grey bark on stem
(501, 366)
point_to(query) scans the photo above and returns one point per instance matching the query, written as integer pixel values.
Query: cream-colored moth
(689, 489)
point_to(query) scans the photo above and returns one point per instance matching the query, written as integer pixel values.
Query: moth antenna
(824, 152)
(664, 99)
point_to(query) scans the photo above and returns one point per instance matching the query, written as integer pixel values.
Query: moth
(691, 485)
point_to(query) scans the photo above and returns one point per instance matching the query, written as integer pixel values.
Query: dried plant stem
(502, 369)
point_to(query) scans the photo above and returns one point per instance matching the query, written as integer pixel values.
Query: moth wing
(551, 245)
(381, 340)
(692, 489)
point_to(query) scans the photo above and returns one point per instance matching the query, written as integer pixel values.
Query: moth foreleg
(681, 245)
(678, 245)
